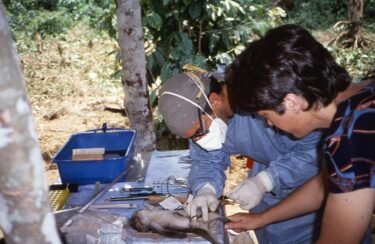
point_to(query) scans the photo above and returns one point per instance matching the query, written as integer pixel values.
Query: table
(167, 172)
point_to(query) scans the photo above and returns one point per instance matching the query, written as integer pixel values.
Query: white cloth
(243, 238)
(250, 192)
(205, 200)
(215, 138)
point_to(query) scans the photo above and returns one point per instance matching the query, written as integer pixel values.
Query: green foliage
(29, 19)
(369, 11)
(201, 32)
(176, 32)
(357, 61)
(323, 14)
(50, 18)
(317, 14)
(102, 16)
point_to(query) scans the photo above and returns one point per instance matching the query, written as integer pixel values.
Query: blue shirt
(288, 161)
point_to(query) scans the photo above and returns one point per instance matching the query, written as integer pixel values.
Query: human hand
(251, 191)
(241, 222)
(205, 200)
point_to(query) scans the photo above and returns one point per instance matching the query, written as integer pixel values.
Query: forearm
(207, 167)
(200, 174)
(308, 198)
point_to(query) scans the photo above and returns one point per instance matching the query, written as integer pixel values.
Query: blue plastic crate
(120, 141)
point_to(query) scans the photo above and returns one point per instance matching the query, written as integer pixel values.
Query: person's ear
(215, 101)
(294, 103)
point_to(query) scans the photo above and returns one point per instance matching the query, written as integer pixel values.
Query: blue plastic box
(118, 141)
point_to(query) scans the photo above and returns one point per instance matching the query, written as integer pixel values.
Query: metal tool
(169, 156)
(136, 189)
(134, 196)
(185, 160)
(151, 198)
(116, 199)
(109, 206)
(94, 199)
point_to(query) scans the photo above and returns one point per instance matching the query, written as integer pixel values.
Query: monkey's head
(140, 221)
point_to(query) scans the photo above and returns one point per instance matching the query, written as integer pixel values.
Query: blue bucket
(119, 150)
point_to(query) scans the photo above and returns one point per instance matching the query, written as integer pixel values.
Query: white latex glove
(250, 192)
(205, 199)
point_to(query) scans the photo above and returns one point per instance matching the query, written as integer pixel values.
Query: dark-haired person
(195, 105)
(293, 82)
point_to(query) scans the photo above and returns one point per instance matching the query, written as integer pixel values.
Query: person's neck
(221, 116)
(324, 115)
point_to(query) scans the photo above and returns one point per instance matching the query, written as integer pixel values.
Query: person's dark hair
(287, 60)
(215, 87)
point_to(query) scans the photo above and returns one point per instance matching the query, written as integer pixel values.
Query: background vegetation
(204, 33)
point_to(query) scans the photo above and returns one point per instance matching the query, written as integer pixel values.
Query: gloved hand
(250, 192)
(205, 199)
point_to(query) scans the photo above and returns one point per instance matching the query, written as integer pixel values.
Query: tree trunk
(355, 13)
(25, 215)
(134, 74)
(353, 36)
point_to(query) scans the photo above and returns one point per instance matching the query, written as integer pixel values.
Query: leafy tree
(353, 36)
(317, 14)
(347, 17)
(201, 32)
(176, 32)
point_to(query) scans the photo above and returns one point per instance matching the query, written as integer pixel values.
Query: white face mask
(214, 139)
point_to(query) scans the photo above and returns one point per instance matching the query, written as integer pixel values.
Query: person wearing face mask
(195, 105)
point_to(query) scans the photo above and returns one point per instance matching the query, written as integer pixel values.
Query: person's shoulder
(240, 118)
(357, 112)
(371, 85)
(365, 97)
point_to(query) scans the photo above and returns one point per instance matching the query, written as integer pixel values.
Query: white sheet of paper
(171, 203)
